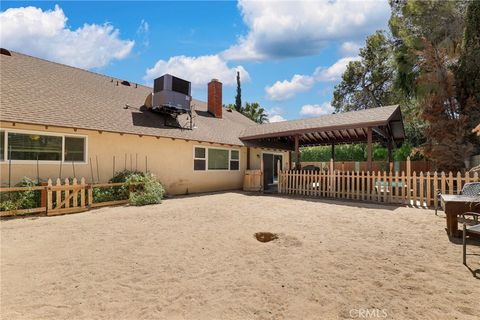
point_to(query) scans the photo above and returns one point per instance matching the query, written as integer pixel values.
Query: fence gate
(66, 198)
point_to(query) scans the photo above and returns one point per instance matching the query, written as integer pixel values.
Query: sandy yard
(196, 258)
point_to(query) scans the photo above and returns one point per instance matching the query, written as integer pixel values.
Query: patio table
(453, 205)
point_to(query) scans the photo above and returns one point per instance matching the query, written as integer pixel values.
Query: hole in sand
(265, 236)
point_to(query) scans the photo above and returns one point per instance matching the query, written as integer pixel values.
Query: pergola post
(390, 156)
(297, 152)
(369, 148)
(333, 151)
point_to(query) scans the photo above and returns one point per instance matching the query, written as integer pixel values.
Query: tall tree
(468, 72)
(255, 112)
(428, 36)
(238, 97)
(368, 82)
(447, 144)
(412, 21)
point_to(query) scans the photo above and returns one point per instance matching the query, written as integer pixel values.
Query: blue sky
(290, 54)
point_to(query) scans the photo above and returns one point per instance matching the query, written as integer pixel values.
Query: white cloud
(274, 114)
(279, 29)
(316, 110)
(335, 71)
(276, 118)
(350, 48)
(45, 34)
(198, 70)
(143, 31)
(286, 89)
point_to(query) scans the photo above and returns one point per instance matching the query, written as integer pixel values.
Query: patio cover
(382, 124)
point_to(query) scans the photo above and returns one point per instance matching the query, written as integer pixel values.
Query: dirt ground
(196, 257)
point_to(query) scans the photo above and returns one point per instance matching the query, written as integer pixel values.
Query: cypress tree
(238, 97)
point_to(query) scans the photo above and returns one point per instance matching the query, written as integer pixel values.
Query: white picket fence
(399, 188)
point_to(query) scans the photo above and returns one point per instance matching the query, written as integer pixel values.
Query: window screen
(34, 146)
(74, 149)
(217, 159)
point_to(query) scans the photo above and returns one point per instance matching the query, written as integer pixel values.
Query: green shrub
(115, 193)
(150, 191)
(109, 194)
(21, 199)
(122, 176)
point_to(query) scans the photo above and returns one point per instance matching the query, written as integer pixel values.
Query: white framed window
(23, 146)
(234, 160)
(215, 159)
(199, 159)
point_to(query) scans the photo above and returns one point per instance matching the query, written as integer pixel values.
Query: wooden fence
(64, 198)
(399, 188)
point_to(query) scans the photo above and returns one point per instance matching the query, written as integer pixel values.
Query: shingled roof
(37, 91)
(345, 127)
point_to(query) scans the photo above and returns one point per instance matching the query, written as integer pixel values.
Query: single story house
(61, 121)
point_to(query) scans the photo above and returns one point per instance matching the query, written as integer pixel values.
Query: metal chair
(469, 230)
(469, 189)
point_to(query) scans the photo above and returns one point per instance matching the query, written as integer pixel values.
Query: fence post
(397, 187)
(414, 187)
(90, 195)
(409, 185)
(379, 186)
(459, 182)
(67, 193)
(429, 194)
(58, 193)
(331, 175)
(49, 195)
(82, 193)
(450, 183)
(75, 193)
(421, 182)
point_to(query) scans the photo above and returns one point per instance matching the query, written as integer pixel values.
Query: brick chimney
(215, 98)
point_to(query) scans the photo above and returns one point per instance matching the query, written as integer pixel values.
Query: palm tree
(255, 112)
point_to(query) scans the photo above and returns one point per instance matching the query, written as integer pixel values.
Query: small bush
(150, 191)
(115, 193)
(108, 194)
(122, 176)
(21, 199)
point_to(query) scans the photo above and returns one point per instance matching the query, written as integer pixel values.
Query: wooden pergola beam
(355, 132)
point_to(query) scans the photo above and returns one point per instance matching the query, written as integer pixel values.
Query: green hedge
(356, 152)
(21, 199)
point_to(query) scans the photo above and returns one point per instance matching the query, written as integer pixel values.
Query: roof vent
(5, 52)
(126, 83)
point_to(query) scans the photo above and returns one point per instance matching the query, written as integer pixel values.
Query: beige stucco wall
(171, 160)
(256, 157)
